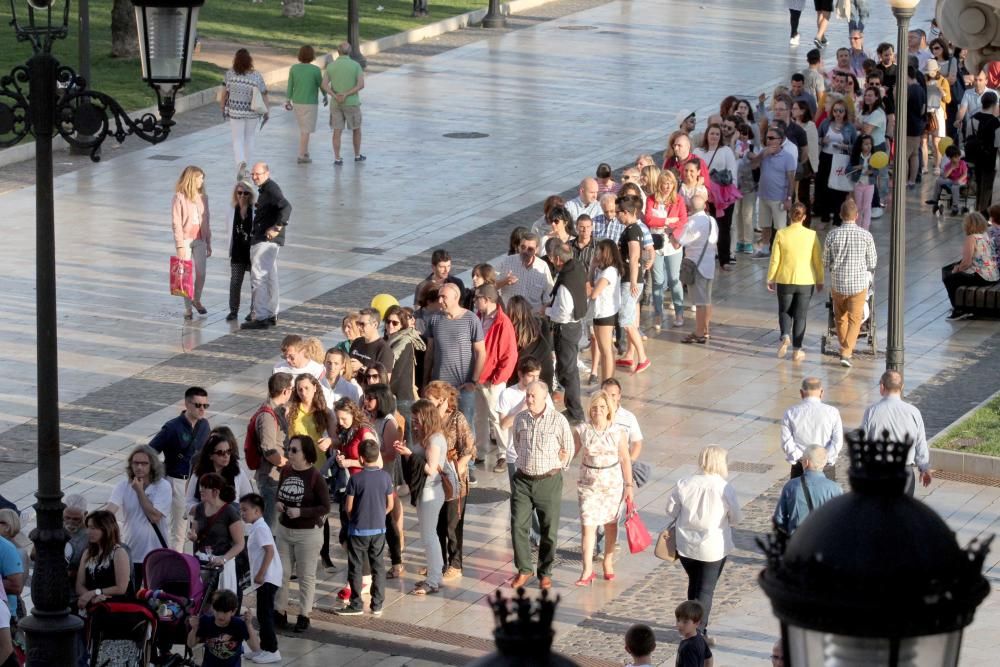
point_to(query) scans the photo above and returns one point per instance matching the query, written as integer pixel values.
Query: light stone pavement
(554, 103)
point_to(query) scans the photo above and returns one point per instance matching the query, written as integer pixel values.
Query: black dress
(101, 573)
(239, 256)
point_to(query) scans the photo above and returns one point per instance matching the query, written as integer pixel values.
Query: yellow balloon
(943, 144)
(381, 303)
(879, 160)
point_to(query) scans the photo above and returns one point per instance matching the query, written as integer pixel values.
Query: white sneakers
(265, 657)
(794, 41)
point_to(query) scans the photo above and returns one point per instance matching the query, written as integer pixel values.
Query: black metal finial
(523, 625)
(878, 466)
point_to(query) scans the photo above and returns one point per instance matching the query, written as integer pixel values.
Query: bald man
(271, 214)
(456, 348)
(585, 201)
(901, 420)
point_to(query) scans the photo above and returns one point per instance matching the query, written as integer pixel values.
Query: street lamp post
(873, 577)
(903, 10)
(354, 32)
(494, 17)
(43, 98)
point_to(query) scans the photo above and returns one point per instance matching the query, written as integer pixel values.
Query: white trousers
(488, 420)
(198, 252)
(264, 279)
(178, 514)
(244, 136)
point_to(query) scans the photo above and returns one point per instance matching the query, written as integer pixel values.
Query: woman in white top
(425, 456)
(719, 158)
(703, 508)
(220, 454)
(803, 117)
(699, 240)
(605, 293)
(240, 81)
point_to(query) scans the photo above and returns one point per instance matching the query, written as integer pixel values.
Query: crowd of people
(415, 400)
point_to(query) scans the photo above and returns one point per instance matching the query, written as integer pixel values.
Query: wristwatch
(99, 592)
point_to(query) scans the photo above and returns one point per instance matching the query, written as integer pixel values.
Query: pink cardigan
(190, 220)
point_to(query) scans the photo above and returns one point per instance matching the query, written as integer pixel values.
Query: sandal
(695, 338)
(423, 588)
(395, 572)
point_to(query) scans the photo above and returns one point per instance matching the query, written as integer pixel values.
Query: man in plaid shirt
(849, 255)
(544, 444)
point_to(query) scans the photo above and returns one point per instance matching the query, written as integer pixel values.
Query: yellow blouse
(302, 423)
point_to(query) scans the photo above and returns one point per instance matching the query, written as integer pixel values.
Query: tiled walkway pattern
(554, 103)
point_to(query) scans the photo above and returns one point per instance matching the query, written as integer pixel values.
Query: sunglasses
(201, 406)
(242, 193)
(393, 323)
(222, 452)
(373, 376)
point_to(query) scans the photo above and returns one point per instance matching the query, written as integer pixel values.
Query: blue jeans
(269, 492)
(667, 269)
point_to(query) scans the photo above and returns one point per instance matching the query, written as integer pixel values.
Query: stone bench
(982, 300)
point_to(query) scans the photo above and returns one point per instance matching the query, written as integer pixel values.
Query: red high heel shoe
(587, 581)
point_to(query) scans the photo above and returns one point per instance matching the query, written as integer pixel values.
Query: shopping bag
(181, 277)
(639, 538)
(839, 180)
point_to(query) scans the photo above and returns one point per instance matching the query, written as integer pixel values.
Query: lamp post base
(494, 21)
(51, 638)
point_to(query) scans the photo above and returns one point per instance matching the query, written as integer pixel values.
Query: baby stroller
(177, 587)
(868, 329)
(121, 633)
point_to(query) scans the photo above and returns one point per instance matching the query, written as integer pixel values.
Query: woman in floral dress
(605, 477)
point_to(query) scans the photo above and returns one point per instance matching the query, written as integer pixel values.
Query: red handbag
(181, 277)
(639, 538)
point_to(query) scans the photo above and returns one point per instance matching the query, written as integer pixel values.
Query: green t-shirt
(344, 73)
(304, 81)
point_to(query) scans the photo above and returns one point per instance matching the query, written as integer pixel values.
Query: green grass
(979, 433)
(240, 21)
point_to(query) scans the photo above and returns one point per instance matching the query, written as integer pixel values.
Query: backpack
(251, 448)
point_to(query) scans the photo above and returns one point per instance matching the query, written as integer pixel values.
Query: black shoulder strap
(805, 489)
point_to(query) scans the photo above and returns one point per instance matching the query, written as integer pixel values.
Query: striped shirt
(539, 440)
(849, 255)
(454, 359)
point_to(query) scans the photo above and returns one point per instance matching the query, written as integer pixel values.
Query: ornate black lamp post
(874, 577)
(57, 101)
(523, 633)
(354, 32)
(903, 10)
(494, 17)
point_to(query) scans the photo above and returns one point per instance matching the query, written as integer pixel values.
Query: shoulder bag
(666, 544)
(689, 268)
(805, 490)
(257, 103)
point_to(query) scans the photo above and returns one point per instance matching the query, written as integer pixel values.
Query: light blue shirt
(774, 170)
(792, 507)
(10, 563)
(901, 420)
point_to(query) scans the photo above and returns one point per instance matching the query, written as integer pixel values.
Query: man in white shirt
(624, 418)
(902, 420)
(972, 103)
(336, 382)
(144, 499)
(811, 422)
(524, 274)
(296, 359)
(569, 307)
(586, 201)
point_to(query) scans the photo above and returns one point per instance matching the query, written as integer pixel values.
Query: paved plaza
(555, 99)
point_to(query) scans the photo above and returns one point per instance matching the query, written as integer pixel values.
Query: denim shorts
(628, 316)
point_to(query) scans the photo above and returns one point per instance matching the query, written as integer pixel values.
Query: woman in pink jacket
(192, 235)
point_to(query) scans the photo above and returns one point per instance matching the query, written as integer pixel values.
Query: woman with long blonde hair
(192, 234)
